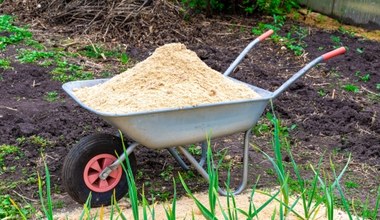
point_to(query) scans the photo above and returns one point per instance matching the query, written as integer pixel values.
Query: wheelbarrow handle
(306, 68)
(245, 51)
(334, 53)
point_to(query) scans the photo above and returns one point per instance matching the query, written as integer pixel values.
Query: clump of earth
(172, 77)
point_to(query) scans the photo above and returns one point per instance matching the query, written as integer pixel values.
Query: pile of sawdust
(172, 77)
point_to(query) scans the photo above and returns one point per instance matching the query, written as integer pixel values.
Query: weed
(351, 184)
(6, 150)
(93, 51)
(124, 58)
(159, 194)
(270, 172)
(51, 96)
(360, 50)
(5, 64)
(293, 40)
(322, 92)
(13, 34)
(260, 128)
(336, 40)
(348, 32)
(21, 140)
(366, 77)
(31, 56)
(10, 210)
(321, 48)
(378, 86)
(351, 88)
(39, 141)
(195, 150)
(167, 174)
(65, 72)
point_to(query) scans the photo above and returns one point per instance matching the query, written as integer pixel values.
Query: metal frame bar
(182, 163)
(205, 175)
(104, 174)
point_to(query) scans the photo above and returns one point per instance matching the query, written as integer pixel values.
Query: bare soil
(330, 121)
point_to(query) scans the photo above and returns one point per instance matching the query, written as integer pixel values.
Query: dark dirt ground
(327, 118)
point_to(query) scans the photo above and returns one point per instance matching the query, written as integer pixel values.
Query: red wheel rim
(94, 167)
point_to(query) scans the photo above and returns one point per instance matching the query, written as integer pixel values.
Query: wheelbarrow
(93, 165)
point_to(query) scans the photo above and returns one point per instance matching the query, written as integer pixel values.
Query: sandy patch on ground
(186, 207)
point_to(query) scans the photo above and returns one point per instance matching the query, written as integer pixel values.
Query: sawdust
(172, 77)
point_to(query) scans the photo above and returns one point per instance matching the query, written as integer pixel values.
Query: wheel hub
(94, 168)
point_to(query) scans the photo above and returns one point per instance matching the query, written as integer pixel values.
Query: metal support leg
(178, 158)
(104, 174)
(203, 172)
(182, 163)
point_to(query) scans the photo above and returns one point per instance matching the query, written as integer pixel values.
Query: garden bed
(331, 112)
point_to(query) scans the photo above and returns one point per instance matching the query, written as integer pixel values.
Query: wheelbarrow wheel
(84, 163)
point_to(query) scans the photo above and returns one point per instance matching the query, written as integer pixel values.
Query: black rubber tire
(75, 163)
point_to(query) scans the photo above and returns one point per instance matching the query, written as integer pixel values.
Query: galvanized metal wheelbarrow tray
(174, 128)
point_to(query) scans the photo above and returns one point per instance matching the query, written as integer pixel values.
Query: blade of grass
(343, 198)
(48, 208)
(86, 208)
(14, 204)
(213, 177)
(113, 201)
(132, 189)
(377, 204)
(205, 212)
(221, 207)
(171, 211)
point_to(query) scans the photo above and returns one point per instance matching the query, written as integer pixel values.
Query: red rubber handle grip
(334, 53)
(265, 35)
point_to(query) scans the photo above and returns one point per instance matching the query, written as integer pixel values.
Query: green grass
(293, 40)
(351, 88)
(360, 50)
(351, 184)
(321, 92)
(6, 150)
(336, 40)
(31, 56)
(5, 64)
(63, 69)
(348, 32)
(52, 96)
(10, 210)
(14, 34)
(66, 71)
